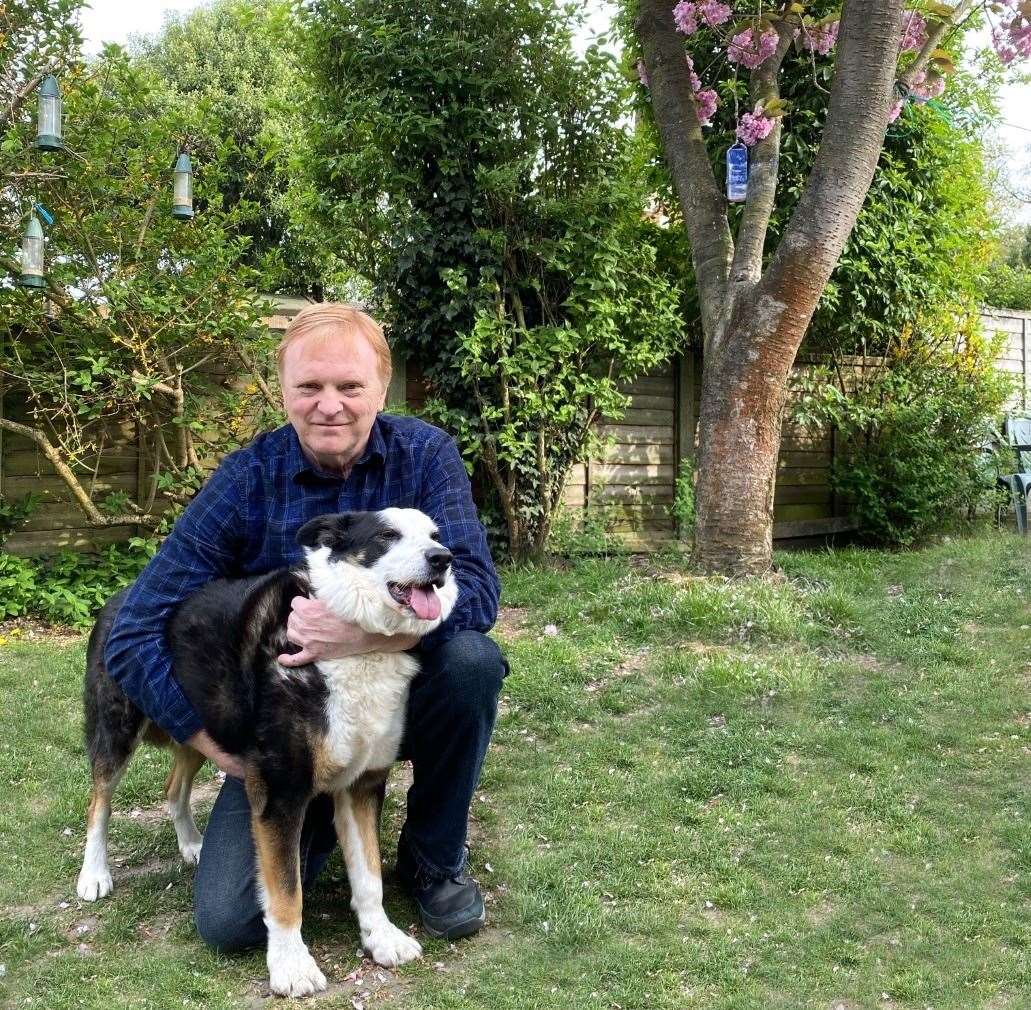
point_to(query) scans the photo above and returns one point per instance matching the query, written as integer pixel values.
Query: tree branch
(92, 513)
(259, 380)
(147, 217)
(762, 177)
(934, 36)
(19, 99)
(701, 199)
(853, 136)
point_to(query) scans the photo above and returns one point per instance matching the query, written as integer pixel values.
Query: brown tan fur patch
(367, 793)
(279, 871)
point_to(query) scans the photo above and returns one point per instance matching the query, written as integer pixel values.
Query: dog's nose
(438, 559)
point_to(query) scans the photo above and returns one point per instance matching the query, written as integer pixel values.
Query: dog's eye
(388, 536)
(435, 536)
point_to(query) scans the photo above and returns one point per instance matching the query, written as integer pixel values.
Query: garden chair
(1016, 432)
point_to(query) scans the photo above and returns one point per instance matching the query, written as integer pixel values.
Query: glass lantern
(48, 123)
(182, 191)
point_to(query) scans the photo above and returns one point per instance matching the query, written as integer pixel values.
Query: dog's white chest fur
(366, 712)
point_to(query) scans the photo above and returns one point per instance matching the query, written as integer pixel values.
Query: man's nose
(438, 559)
(329, 406)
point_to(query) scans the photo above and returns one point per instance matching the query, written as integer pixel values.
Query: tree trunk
(739, 440)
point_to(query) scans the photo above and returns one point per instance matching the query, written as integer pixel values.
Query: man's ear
(332, 531)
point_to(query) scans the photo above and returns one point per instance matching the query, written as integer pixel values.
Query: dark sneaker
(449, 907)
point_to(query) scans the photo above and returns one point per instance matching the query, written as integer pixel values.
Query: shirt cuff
(181, 720)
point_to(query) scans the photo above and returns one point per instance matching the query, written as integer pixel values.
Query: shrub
(489, 191)
(682, 508)
(17, 585)
(918, 432)
(577, 531)
(1009, 287)
(70, 587)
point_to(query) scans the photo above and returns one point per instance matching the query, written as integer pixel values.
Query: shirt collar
(302, 469)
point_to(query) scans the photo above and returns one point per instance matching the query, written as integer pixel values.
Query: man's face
(332, 391)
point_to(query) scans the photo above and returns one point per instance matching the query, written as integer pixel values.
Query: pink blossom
(685, 17)
(1013, 40)
(1005, 53)
(705, 105)
(914, 32)
(751, 50)
(696, 81)
(924, 87)
(896, 109)
(642, 73)
(822, 38)
(714, 13)
(705, 101)
(754, 126)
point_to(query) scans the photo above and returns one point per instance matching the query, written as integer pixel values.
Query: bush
(17, 585)
(73, 586)
(682, 508)
(69, 587)
(918, 432)
(1009, 287)
(490, 192)
(577, 531)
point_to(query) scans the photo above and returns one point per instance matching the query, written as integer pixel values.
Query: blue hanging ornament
(737, 173)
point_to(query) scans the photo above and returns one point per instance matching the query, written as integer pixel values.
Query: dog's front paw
(295, 973)
(191, 850)
(93, 884)
(389, 946)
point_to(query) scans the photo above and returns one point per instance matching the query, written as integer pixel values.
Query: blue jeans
(451, 709)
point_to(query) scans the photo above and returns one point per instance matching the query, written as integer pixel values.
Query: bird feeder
(182, 189)
(48, 123)
(32, 275)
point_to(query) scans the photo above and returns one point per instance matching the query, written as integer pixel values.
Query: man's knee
(468, 669)
(224, 925)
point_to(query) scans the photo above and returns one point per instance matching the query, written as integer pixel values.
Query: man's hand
(323, 635)
(200, 741)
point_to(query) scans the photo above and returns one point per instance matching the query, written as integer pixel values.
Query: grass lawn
(807, 793)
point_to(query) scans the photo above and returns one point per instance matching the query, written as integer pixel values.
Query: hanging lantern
(182, 192)
(32, 255)
(48, 123)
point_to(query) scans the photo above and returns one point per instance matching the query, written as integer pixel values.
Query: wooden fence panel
(1014, 357)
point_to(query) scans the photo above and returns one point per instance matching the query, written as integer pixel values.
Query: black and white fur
(334, 726)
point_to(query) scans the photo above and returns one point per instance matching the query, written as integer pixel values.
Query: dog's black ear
(332, 531)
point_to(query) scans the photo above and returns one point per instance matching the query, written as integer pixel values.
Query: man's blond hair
(326, 320)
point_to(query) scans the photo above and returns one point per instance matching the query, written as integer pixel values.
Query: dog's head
(386, 571)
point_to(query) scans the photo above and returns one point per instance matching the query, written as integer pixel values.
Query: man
(337, 454)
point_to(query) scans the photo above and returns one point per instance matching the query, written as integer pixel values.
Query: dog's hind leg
(276, 825)
(95, 876)
(357, 823)
(184, 769)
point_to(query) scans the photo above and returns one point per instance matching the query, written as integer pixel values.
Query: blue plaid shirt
(244, 521)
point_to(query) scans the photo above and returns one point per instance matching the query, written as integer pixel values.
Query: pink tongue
(425, 603)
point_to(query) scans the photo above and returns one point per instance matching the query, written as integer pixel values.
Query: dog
(334, 726)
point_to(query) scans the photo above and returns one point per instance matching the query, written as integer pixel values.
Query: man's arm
(204, 545)
(448, 499)
(323, 635)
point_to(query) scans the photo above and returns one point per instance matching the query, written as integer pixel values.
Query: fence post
(1023, 362)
